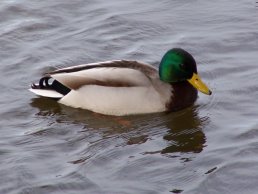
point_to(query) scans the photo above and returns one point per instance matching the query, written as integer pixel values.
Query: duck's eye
(182, 66)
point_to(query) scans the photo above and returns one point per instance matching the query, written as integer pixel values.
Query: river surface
(209, 148)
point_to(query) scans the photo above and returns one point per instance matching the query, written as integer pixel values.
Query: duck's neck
(184, 95)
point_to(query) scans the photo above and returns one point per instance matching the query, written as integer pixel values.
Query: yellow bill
(198, 84)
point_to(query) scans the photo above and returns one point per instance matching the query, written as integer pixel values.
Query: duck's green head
(177, 65)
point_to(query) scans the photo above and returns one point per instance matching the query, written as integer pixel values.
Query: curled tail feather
(47, 89)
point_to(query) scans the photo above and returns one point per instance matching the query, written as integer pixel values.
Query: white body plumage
(111, 88)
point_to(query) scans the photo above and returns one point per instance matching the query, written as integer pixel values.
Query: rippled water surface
(211, 147)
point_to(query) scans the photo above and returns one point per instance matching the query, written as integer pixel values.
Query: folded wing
(120, 73)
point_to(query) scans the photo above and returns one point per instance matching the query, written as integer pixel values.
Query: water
(211, 147)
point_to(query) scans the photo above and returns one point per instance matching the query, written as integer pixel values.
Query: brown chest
(184, 95)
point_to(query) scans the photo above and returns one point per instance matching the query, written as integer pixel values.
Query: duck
(126, 87)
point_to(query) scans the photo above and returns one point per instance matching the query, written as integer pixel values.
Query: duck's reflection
(185, 132)
(46, 106)
(181, 131)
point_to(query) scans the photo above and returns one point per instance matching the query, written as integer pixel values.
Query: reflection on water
(182, 131)
(46, 106)
(185, 134)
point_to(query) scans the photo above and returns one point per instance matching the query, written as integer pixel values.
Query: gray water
(211, 147)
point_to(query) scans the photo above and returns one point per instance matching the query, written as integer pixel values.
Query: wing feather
(145, 68)
(111, 74)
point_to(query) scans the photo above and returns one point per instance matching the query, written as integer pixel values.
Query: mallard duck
(123, 87)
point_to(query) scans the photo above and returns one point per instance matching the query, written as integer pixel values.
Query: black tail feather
(55, 85)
